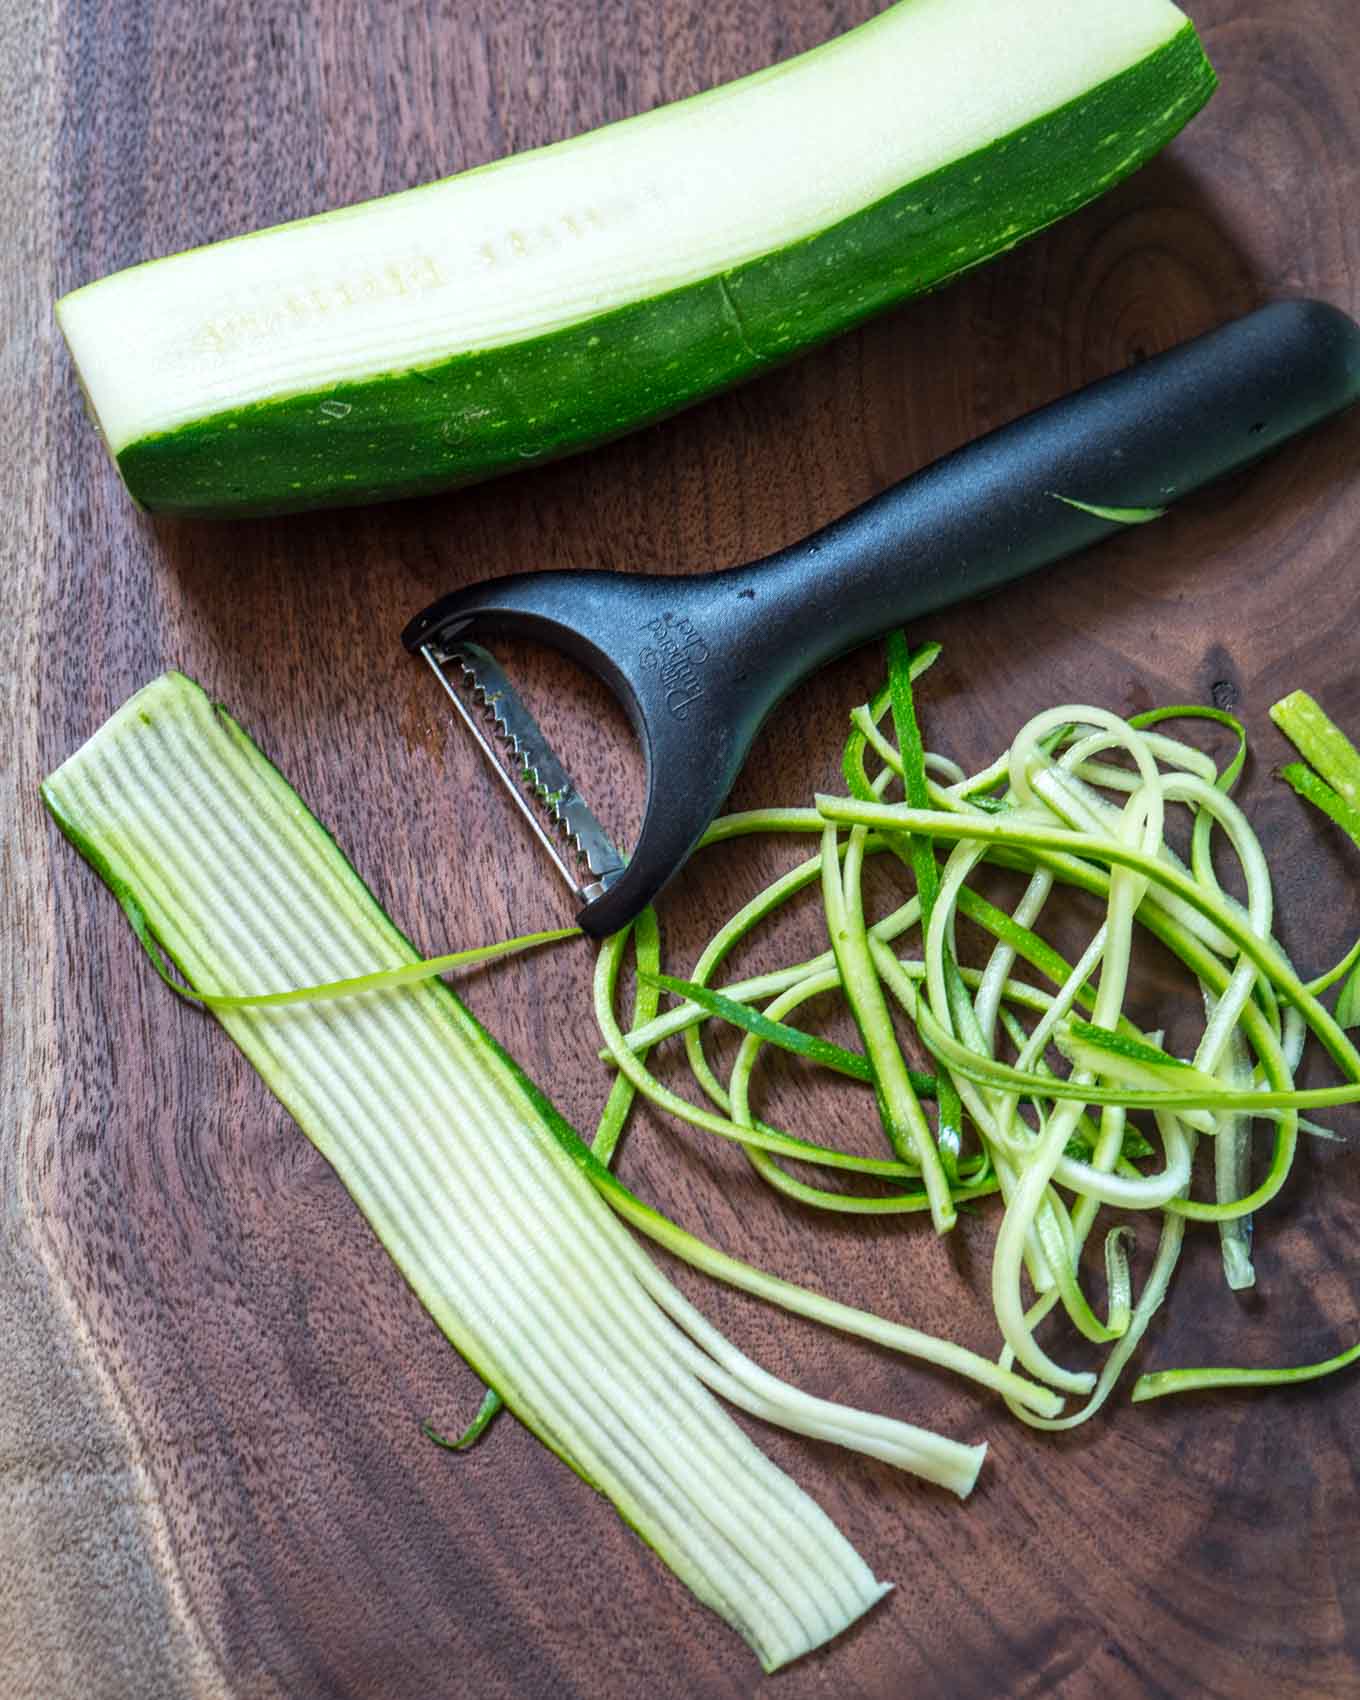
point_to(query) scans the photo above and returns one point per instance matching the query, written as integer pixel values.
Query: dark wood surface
(212, 1480)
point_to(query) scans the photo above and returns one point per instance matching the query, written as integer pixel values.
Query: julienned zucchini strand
(455, 1160)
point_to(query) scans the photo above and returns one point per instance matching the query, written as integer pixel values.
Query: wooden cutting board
(212, 1476)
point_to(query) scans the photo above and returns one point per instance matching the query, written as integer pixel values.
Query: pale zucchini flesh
(564, 296)
(450, 1154)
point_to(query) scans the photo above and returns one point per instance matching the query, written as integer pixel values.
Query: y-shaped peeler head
(671, 651)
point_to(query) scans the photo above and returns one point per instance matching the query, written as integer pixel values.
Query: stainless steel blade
(534, 766)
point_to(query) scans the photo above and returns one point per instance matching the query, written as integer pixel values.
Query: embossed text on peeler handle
(989, 512)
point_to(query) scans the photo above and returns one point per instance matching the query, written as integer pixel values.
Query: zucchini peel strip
(463, 1170)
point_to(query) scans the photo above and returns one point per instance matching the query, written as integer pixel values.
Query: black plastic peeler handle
(700, 661)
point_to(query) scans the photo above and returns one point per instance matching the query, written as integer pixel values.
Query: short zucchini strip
(1163, 1382)
(1335, 789)
(457, 1163)
(1321, 743)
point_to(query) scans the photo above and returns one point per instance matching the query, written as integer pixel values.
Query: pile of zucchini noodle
(1035, 1066)
(1081, 799)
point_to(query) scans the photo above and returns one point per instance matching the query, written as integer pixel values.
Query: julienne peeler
(699, 662)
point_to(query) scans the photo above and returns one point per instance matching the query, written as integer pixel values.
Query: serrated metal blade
(531, 766)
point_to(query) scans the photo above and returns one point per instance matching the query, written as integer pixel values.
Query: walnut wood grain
(212, 1480)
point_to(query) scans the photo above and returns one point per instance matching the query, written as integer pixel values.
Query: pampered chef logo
(678, 652)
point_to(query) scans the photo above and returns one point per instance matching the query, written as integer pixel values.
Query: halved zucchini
(565, 296)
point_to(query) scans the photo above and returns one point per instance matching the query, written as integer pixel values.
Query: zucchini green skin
(479, 414)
